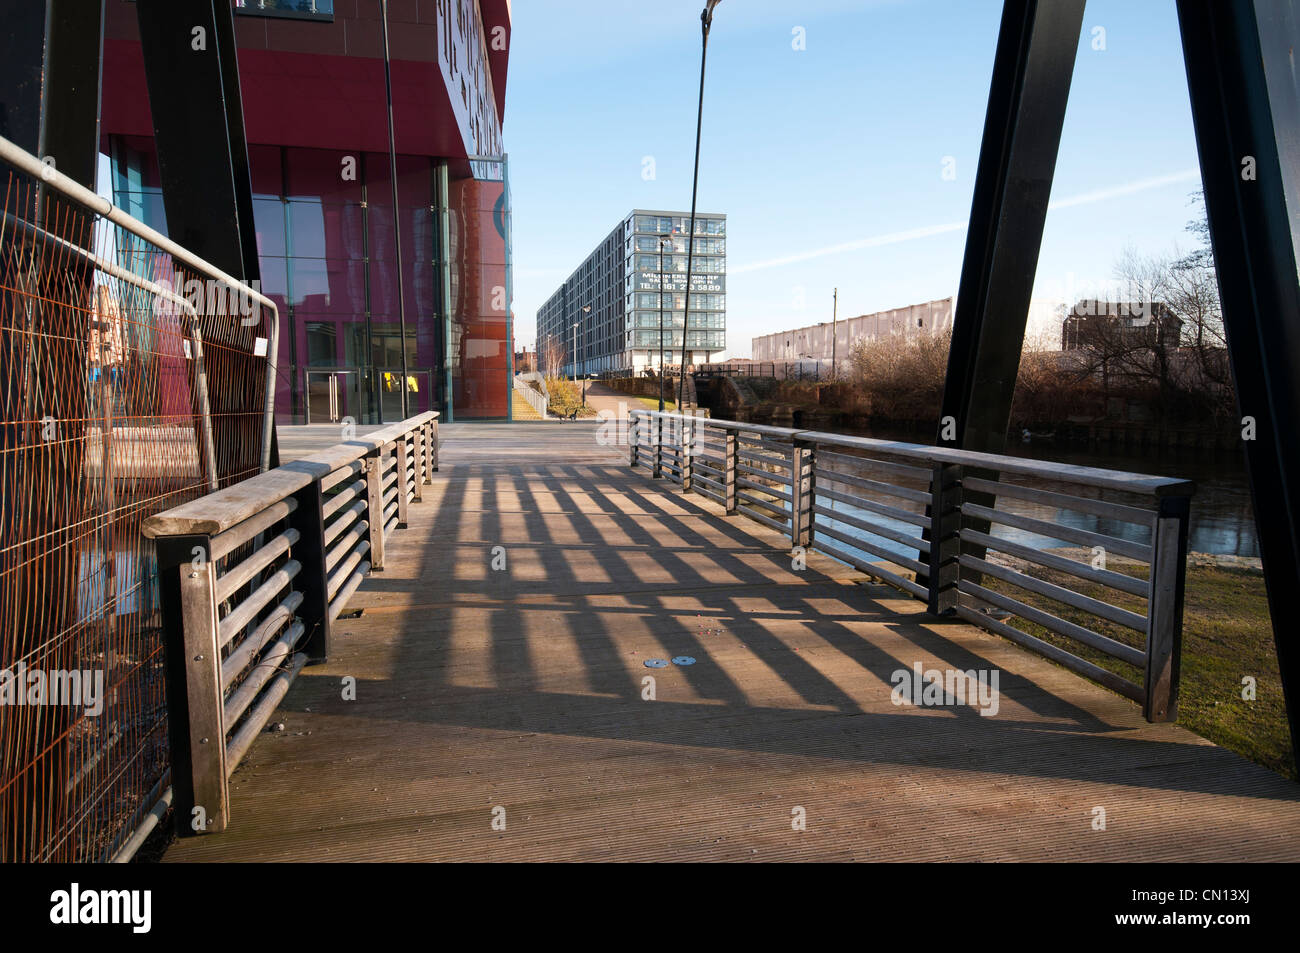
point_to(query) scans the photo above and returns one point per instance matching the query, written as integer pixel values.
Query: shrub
(565, 398)
(901, 377)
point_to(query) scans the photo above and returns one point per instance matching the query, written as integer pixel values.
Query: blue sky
(828, 161)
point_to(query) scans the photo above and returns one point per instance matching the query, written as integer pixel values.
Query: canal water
(1222, 518)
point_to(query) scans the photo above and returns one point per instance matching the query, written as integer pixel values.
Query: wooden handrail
(217, 512)
(252, 578)
(1140, 483)
(780, 489)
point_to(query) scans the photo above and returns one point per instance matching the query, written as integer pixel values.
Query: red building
(312, 78)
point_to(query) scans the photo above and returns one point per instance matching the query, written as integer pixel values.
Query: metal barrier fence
(808, 369)
(891, 509)
(133, 376)
(252, 578)
(536, 399)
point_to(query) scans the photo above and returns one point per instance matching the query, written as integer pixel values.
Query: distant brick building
(1093, 324)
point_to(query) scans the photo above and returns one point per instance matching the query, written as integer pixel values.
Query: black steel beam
(49, 105)
(193, 79)
(1246, 113)
(49, 82)
(1032, 70)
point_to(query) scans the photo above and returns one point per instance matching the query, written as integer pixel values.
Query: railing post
(686, 447)
(312, 581)
(375, 506)
(801, 493)
(945, 538)
(431, 448)
(659, 448)
(417, 451)
(195, 713)
(729, 455)
(633, 437)
(402, 485)
(1165, 609)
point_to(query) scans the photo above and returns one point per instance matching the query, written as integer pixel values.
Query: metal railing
(805, 369)
(252, 579)
(134, 376)
(920, 518)
(535, 398)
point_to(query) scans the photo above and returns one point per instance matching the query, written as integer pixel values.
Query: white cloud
(911, 234)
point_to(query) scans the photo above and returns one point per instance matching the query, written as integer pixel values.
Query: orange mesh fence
(127, 387)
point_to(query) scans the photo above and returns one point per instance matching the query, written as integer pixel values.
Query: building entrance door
(420, 393)
(333, 394)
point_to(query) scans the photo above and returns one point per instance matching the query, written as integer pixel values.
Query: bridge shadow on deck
(524, 686)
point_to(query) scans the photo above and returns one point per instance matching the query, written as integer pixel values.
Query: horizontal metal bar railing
(536, 399)
(922, 519)
(252, 578)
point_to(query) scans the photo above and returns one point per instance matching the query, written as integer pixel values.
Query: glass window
(307, 9)
(275, 282)
(322, 343)
(319, 230)
(327, 286)
(268, 220)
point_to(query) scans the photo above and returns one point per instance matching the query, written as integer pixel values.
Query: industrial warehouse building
(815, 340)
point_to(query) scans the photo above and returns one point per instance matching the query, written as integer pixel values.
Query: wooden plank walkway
(522, 689)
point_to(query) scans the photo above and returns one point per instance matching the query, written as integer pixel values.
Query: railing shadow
(594, 553)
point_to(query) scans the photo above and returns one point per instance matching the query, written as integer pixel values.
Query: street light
(586, 310)
(669, 241)
(706, 21)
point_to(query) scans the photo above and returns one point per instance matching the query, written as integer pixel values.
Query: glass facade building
(614, 298)
(328, 235)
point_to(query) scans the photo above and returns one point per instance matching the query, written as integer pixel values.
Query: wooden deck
(522, 689)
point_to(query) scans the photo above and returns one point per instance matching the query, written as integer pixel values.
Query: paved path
(603, 397)
(522, 689)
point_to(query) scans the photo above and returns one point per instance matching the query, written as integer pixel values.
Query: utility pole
(835, 307)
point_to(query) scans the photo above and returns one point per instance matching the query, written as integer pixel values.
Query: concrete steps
(521, 409)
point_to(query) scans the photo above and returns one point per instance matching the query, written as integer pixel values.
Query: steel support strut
(1246, 113)
(1022, 132)
(1032, 70)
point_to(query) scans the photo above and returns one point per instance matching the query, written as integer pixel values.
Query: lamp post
(574, 372)
(663, 239)
(706, 21)
(586, 309)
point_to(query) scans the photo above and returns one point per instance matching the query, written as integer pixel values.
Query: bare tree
(551, 355)
(1194, 297)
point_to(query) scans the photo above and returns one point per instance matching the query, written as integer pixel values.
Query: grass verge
(1227, 636)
